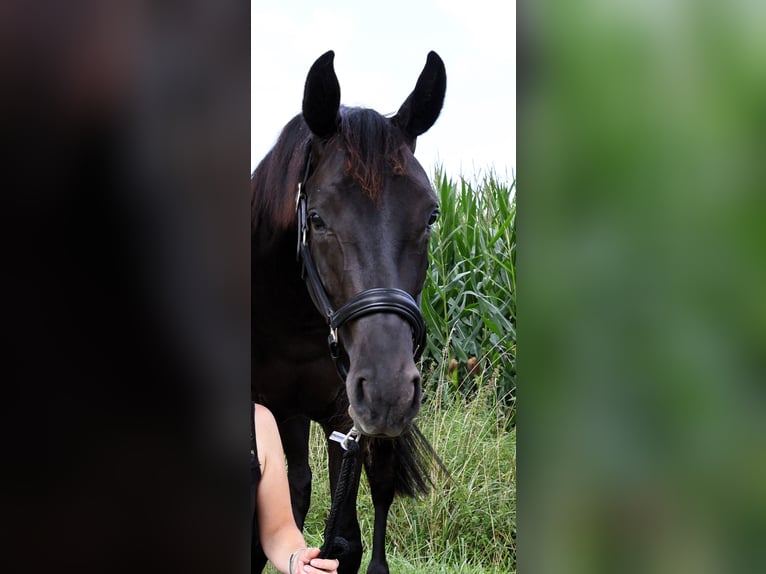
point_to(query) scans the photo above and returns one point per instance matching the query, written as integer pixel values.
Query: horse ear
(321, 97)
(421, 108)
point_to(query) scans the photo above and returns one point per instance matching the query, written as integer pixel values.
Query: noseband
(367, 302)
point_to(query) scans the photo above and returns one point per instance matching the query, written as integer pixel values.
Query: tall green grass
(467, 524)
(469, 300)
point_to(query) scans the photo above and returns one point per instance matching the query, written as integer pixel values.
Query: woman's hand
(306, 561)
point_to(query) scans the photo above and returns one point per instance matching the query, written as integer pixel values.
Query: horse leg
(380, 474)
(347, 522)
(294, 433)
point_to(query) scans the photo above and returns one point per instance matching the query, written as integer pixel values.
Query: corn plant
(469, 300)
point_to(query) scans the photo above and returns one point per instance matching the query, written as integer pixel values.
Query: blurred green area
(642, 266)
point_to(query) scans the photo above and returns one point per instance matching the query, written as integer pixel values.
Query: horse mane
(274, 182)
(373, 145)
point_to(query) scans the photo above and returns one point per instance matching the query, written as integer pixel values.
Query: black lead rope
(335, 546)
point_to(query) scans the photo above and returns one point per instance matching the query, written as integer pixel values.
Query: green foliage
(467, 524)
(469, 518)
(469, 299)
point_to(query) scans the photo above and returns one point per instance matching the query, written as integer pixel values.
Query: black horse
(342, 192)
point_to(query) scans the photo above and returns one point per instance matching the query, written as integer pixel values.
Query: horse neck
(278, 292)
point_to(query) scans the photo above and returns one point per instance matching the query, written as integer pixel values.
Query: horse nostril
(417, 390)
(359, 390)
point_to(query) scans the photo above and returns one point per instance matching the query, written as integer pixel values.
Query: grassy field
(467, 524)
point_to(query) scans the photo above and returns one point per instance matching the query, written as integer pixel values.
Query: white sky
(380, 49)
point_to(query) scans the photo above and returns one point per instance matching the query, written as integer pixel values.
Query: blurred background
(642, 338)
(126, 411)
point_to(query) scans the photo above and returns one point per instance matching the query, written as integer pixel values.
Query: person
(280, 538)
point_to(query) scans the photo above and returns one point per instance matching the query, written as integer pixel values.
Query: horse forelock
(373, 148)
(373, 145)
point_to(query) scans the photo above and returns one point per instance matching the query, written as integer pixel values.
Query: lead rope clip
(343, 439)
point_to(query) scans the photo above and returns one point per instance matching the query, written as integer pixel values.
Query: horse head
(369, 207)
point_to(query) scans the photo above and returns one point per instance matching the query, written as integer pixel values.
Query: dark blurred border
(642, 274)
(125, 129)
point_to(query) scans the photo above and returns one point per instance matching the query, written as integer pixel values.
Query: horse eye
(316, 221)
(433, 217)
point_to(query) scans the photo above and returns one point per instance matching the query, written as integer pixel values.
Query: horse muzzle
(383, 383)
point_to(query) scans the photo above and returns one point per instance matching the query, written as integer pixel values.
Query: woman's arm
(279, 535)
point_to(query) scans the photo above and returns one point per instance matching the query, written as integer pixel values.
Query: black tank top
(255, 478)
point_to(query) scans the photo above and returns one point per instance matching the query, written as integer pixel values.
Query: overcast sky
(380, 49)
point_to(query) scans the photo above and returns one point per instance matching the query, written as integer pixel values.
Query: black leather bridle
(367, 302)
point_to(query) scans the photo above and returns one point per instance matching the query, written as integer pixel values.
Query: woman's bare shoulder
(263, 414)
(266, 432)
